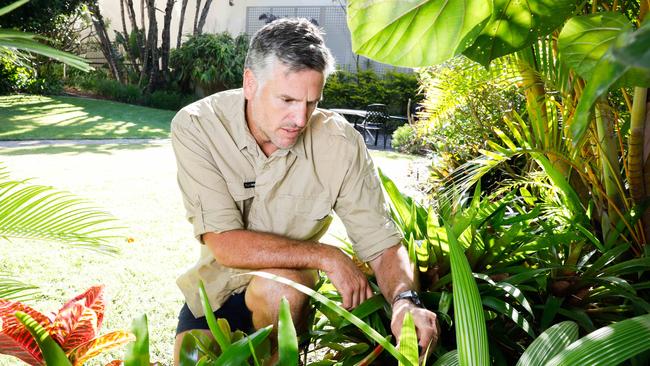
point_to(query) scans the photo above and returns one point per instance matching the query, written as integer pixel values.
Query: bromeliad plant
(69, 337)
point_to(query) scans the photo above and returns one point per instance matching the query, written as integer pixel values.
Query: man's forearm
(254, 250)
(394, 272)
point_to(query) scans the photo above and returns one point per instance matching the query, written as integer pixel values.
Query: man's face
(278, 109)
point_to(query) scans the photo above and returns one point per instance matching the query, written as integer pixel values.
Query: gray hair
(295, 42)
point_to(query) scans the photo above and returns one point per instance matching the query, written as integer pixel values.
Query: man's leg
(263, 298)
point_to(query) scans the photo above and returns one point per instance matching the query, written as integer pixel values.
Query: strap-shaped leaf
(415, 33)
(471, 333)
(408, 340)
(137, 353)
(551, 342)
(52, 352)
(240, 351)
(448, 359)
(608, 345)
(509, 311)
(287, 339)
(217, 332)
(509, 289)
(6, 9)
(97, 346)
(13, 289)
(517, 24)
(15, 339)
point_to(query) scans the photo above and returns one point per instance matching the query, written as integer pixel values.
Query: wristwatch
(411, 296)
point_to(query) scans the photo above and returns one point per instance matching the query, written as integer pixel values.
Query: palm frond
(13, 289)
(40, 212)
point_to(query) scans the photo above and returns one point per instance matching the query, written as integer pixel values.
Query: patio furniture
(375, 121)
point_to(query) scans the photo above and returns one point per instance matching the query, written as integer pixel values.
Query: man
(260, 170)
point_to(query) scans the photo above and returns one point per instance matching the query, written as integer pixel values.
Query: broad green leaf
(217, 332)
(137, 353)
(554, 340)
(240, 351)
(408, 340)
(448, 359)
(608, 345)
(517, 24)
(632, 48)
(52, 352)
(471, 333)
(614, 64)
(399, 202)
(416, 32)
(205, 343)
(364, 327)
(586, 38)
(12, 6)
(30, 45)
(287, 340)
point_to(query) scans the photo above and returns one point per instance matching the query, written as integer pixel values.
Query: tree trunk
(127, 50)
(639, 149)
(180, 23)
(196, 17)
(204, 16)
(139, 38)
(611, 172)
(104, 41)
(164, 48)
(152, 46)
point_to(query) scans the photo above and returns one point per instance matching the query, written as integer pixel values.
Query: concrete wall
(222, 16)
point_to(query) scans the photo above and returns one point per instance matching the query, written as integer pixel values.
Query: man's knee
(263, 296)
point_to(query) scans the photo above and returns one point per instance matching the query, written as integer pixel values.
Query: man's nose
(300, 115)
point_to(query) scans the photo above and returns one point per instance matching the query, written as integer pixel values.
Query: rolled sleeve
(210, 206)
(363, 210)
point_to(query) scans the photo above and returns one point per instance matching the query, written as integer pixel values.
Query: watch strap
(410, 295)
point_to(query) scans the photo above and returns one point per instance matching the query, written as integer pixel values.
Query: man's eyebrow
(286, 96)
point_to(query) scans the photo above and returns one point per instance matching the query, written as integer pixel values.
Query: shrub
(405, 140)
(14, 76)
(211, 62)
(171, 100)
(357, 90)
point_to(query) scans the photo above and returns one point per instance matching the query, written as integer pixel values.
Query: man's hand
(348, 279)
(426, 323)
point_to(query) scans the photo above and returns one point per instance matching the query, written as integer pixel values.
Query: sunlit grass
(26, 117)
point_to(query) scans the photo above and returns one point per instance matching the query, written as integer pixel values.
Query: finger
(347, 299)
(355, 298)
(369, 293)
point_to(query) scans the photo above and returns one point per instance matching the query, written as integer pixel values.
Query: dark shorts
(234, 310)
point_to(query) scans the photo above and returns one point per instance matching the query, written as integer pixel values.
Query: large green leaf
(471, 333)
(12, 6)
(517, 24)
(614, 64)
(448, 359)
(608, 345)
(585, 39)
(52, 352)
(27, 42)
(415, 33)
(287, 340)
(554, 340)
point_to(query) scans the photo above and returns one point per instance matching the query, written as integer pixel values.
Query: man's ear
(250, 84)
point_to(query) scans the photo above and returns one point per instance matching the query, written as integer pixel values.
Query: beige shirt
(294, 192)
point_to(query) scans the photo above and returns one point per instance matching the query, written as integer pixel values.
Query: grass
(26, 117)
(137, 183)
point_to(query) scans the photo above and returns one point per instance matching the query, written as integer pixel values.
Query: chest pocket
(303, 218)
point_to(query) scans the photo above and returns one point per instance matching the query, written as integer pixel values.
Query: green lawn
(27, 117)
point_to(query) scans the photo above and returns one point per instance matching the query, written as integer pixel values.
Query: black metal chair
(375, 121)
